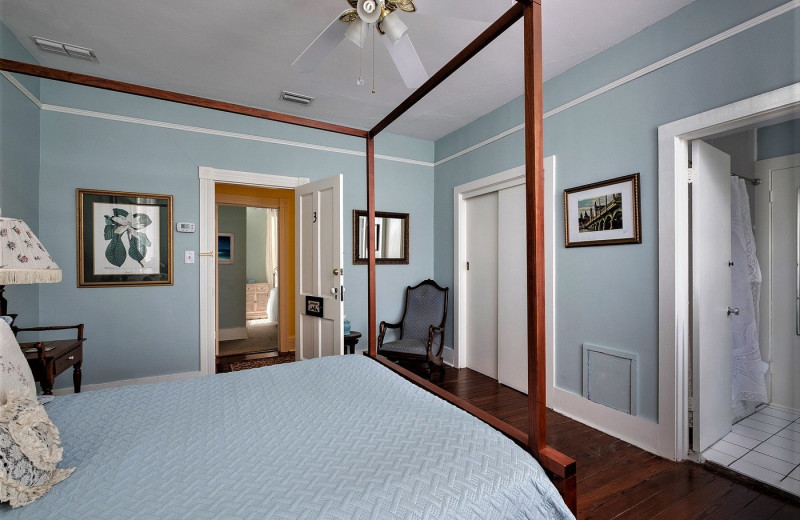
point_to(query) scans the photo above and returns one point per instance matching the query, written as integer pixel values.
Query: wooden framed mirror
(391, 237)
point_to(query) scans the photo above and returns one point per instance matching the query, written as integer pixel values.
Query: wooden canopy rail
(561, 468)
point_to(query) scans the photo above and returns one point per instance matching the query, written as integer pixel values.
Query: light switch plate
(188, 257)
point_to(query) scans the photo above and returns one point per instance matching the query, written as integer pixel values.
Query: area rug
(234, 366)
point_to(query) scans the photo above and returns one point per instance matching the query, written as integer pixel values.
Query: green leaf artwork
(119, 225)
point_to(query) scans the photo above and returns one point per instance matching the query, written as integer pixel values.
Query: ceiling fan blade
(483, 11)
(321, 47)
(407, 61)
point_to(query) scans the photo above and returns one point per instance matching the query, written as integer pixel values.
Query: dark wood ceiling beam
(508, 19)
(166, 95)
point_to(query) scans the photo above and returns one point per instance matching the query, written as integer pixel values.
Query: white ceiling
(241, 51)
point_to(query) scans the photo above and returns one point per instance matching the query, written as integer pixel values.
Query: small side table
(350, 341)
(48, 359)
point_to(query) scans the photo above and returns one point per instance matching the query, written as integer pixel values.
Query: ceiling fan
(354, 24)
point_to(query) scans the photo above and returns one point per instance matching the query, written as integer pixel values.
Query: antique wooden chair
(421, 329)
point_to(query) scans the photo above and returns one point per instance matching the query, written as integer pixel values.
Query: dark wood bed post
(563, 468)
(371, 297)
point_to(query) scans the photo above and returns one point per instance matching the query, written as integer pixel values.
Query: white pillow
(30, 448)
(15, 373)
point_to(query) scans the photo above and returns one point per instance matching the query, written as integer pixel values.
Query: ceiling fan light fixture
(394, 27)
(357, 32)
(370, 10)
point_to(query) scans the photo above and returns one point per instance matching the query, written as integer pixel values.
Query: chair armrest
(39, 346)
(382, 330)
(433, 330)
(79, 328)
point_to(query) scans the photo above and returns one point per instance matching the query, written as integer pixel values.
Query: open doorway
(255, 244)
(693, 390)
(753, 426)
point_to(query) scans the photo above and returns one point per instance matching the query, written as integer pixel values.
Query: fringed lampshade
(23, 259)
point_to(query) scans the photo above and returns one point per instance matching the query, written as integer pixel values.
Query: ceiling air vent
(64, 49)
(296, 98)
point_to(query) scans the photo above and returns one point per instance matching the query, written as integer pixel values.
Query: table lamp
(23, 259)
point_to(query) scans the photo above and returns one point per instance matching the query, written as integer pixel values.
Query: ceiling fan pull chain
(373, 61)
(360, 80)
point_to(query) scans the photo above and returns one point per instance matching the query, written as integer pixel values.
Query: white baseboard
(233, 333)
(448, 356)
(630, 428)
(127, 382)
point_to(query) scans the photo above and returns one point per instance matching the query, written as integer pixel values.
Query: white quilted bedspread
(340, 438)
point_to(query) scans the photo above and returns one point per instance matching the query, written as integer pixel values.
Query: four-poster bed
(559, 468)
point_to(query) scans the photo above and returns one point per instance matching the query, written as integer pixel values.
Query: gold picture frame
(123, 239)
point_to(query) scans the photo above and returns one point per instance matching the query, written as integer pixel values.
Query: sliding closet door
(482, 284)
(512, 333)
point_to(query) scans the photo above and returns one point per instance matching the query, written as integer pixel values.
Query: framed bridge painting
(603, 213)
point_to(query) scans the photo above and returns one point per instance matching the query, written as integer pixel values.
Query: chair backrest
(426, 305)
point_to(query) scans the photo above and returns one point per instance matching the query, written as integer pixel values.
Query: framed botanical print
(603, 213)
(124, 239)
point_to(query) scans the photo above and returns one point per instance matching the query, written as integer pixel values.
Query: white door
(481, 297)
(319, 279)
(711, 288)
(512, 333)
(785, 342)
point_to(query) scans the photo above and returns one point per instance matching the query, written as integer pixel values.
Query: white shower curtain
(747, 376)
(271, 256)
(271, 265)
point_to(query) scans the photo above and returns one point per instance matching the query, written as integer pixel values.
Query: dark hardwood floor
(619, 480)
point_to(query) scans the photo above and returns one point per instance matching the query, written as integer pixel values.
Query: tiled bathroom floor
(764, 446)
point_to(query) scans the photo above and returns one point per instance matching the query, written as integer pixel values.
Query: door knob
(338, 270)
(734, 311)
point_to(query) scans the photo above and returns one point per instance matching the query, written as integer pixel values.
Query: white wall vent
(65, 49)
(609, 377)
(296, 98)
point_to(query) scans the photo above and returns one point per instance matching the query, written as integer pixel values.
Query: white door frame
(673, 250)
(209, 177)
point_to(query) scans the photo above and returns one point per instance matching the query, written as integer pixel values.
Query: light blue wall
(257, 245)
(778, 140)
(19, 166)
(609, 295)
(233, 277)
(160, 330)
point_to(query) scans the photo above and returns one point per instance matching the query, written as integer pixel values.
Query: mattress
(339, 437)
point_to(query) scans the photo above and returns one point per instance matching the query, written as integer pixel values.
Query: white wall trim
(753, 22)
(128, 382)
(630, 428)
(462, 192)
(673, 250)
(481, 144)
(200, 130)
(208, 179)
(28, 94)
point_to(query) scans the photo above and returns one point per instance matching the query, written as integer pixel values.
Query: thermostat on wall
(184, 227)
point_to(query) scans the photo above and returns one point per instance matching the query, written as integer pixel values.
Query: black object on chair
(421, 336)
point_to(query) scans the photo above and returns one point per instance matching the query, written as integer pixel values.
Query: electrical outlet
(188, 257)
